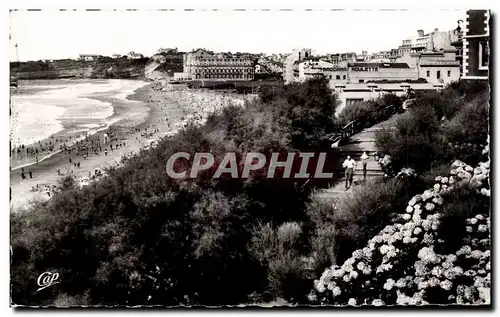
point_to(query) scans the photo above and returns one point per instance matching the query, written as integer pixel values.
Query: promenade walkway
(364, 141)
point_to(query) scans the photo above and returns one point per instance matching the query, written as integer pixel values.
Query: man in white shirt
(349, 165)
(364, 162)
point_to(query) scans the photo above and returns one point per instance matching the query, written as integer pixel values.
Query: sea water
(42, 108)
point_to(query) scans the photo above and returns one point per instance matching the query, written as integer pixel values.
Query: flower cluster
(401, 264)
(385, 164)
(406, 172)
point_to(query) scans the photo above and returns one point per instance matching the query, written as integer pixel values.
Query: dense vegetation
(390, 249)
(138, 237)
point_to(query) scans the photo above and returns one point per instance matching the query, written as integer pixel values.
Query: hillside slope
(102, 68)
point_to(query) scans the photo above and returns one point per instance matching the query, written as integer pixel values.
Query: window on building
(361, 80)
(449, 73)
(343, 77)
(338, 77)
(438, 74)
(330, 76)
(428, 73)
(483, 54)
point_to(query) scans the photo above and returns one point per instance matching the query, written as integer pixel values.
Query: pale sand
(179, 107)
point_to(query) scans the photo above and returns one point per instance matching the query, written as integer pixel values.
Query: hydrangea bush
(400, 265)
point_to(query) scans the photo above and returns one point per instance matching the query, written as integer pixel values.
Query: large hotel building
(202, 64)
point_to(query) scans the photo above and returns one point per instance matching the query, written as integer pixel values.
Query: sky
(54, 34)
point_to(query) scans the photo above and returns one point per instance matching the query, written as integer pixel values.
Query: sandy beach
(167, 112)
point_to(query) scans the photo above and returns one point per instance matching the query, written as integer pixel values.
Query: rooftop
(380, 65)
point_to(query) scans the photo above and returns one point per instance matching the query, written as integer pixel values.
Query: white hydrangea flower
(447, 265)
(423, 285)
(458, 270)
(367, 253)
(407, 240)
(451, 180)
(401, 283)
(336, 291)
(367, 270)
(449, 274)
(437, 200)
(416, 218)
(320, 287)
(353, 274)
(352, 302)
(476, 254)
(427, 195)
(377, 239)
(464, 250)
(389, 284)
(473, 220)
(469, 168)
(361, 266)
(485, 294)
(429, 206)
(435, 225)
(417, 231)
(438, 178)
(330, 286)
(426, 224)
(485, 192)
(384, 249)
(468, 229)
(437, 187)
(482, 228)
(428, 239)
(377, 302)
(433, 282)
(427, 255)
(446, 284)
(409, 209)
(451, 258)
(437, 271)
(480, 217)
(444, 180)
(338, 273)
(357, 254)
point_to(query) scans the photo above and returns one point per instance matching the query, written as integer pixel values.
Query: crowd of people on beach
(194, 107)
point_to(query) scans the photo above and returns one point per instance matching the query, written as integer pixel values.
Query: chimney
(420, 33)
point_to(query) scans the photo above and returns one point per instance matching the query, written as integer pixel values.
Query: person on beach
(349, 165)
(70, 160)
(106, 152)
(364, 162)
(31, 175)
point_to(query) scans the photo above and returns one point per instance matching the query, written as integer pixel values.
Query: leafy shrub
(369, 112)
(470, 124)
(415, 141)
(276, 251)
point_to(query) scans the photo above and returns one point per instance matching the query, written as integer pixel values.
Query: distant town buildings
(476, 48)
(204, 64)
(117, 56)
(134, 55)
(89, 57)
(290, 70)
(167, 51)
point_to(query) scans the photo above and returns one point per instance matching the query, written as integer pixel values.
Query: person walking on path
(31, 175)
(364, 162)
(349, 165)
